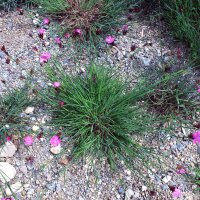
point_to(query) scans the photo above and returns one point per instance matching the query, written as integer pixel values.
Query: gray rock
(7, 150)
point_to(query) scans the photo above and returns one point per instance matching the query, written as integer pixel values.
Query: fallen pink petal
(45, 56)
(28, 140)
(46, 21)
(196, 137)
(109, 40)
(58, 40)
(176, 193)
(56, 84)
(55, 140)
(181, 171)
(198, 90)
(67, 35)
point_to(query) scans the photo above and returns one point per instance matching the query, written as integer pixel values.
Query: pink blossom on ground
(41, 31)
(55, 140)
(8, 138)
(181, 171)
(28, 140)
(67, 35)
(196, 137)
(46, 21)
(61, 103)
(109, 39)
(176, 193)
(45, 56)
(7, 198)
(77, 32)
(58, 40)
(198, 90)
(56, 84)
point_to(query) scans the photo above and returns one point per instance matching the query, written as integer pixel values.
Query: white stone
(55, 150)
(144, 188)
(7, 172)
(129, 194)
(29, 110)
(16, 187)
(35, 128)
(7, 150)
(166, 179)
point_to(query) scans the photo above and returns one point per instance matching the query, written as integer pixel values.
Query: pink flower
(45, 57)
(176, 193)
(8, 138)
(56, 84)
(77, 32)
(61, 103)
(181, 171)
(46, 21)
(196, 137)
(198, 90)
(110, 40)
(28, 140)
(41, 31)
(55, 140)
(7, 198)
(58, 40)
(67, 35)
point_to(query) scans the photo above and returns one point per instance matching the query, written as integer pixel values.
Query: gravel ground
(43, 175)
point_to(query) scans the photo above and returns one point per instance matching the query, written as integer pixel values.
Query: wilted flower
(55, 140)
(45, 56)
(196, 137)
(110, 40)
(56, 84)
(179, 53)
(67, 35)
(61, 103)
(28, 140)
(41, 33)
(58, 40)
(125, 29)
(77, 32)
(46, 21)
(176, 193)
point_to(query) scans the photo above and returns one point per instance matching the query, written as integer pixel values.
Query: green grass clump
(176, 96)
(183, 17)
(11, 105)
(89, 15)
(196, 178)
(100, 114)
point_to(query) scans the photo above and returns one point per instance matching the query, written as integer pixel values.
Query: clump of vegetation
(183, 16)
(99, 113)
(11, 4)
(177, 96)
(196, 178)
(91, 16)
(11, 105)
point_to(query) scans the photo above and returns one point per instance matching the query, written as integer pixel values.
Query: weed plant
(98, 112)
(11, 105)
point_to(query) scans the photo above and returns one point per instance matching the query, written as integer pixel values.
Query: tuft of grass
(101, 116)
(91, 16)
(11, 105)
(176, 96)
(8, 5)
(183, 17)
(196, 178)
